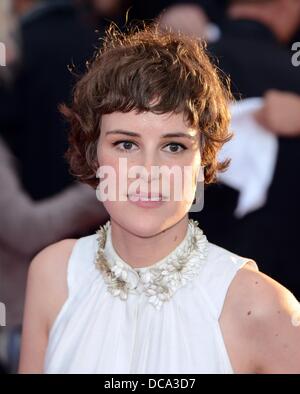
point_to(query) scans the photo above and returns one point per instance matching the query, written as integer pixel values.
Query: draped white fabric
(253, 152)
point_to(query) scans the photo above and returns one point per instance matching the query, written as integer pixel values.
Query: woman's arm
(261, 325)
(46, 293)
(28, 226)
(278, 328)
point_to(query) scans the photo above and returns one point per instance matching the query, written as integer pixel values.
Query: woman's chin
(144, 222)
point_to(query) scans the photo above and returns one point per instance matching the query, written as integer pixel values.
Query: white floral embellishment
(158, 282)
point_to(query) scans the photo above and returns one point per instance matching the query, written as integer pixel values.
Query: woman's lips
(146, 201)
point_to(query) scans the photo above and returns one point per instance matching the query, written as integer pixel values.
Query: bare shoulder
(262, 316)
(52, 258)
(48, 275)
(45, 294)
(253, 293)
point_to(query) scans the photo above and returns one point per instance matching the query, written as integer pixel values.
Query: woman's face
(152, 163)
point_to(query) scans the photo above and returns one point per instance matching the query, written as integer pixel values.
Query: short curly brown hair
(148, 70)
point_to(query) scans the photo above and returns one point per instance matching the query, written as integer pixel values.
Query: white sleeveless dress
(97, 331)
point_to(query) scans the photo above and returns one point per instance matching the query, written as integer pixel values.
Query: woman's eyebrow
(168, 135)
(179, 134)
(126, 132)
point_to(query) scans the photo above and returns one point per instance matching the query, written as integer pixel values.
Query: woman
(148, 293)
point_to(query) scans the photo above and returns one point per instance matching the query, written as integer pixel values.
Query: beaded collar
(158, 281)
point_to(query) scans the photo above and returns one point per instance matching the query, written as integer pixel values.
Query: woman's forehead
(143, 122)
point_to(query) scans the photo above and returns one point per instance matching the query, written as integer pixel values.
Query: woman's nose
(148, 167)
(151, 167)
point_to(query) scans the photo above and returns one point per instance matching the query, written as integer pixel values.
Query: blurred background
(47, 44)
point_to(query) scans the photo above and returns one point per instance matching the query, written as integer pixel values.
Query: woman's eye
(124, 145)
(174, 147)
(128, 146)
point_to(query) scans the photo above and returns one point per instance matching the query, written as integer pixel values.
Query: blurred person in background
(199, 18)
(53, 39)
(281, 113)
(190, 19)
(254, 51)
(27, 226)
(255, 46)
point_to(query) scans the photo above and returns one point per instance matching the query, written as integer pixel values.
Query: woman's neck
(145, 251)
